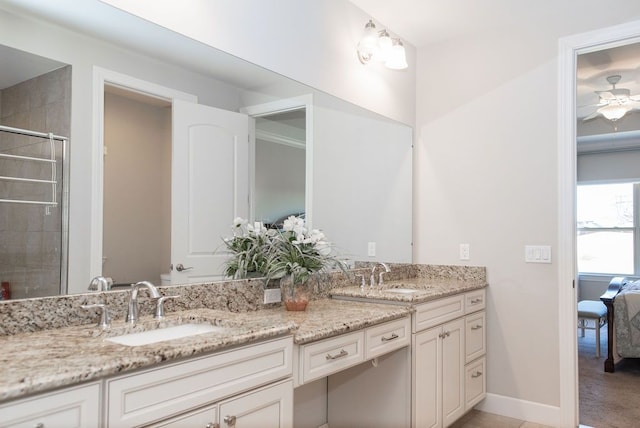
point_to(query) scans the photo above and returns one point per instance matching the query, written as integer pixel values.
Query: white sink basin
(162, 334)
(401, 290)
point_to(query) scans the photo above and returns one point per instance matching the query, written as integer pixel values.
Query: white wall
(313, 42)
(493, 183)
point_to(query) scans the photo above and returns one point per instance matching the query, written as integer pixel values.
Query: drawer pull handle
(39, 425)
(341, 354)
(476, 327)
(230, 421)
(477, 300)
(443, 335)
(476, 374)
(390, 338)
(211, 425)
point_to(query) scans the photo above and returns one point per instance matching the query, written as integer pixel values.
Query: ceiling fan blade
(591, 116)
(605, 95)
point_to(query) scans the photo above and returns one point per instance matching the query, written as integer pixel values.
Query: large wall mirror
(348, 170)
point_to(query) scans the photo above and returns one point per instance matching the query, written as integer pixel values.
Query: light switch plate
(537, 253)
(464, 252)
(371, 249)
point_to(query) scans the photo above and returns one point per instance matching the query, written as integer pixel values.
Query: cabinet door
(427, 379)
(452, 371)
(71, 407)
(201, 418)
(271, 406)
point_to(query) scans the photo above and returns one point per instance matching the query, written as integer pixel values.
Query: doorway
(137, 187)
(570, 47)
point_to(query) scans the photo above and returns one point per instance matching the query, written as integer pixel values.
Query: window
(607, 228)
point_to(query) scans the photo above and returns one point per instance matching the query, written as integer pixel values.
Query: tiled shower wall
(31, 235)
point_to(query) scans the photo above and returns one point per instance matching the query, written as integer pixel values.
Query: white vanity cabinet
(356, 379)
(448, 351)
(271, 405)
(222, 389)
(75, 407)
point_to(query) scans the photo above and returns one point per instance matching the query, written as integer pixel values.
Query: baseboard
(521, 409)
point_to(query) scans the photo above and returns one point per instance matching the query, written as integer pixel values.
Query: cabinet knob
(230, 421)
(476, 374)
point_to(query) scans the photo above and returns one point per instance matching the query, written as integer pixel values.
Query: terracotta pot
(295, 295)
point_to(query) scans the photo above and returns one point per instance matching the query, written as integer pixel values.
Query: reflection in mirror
(280, 159)
(32, 169)
(136, 187)
(357, 169)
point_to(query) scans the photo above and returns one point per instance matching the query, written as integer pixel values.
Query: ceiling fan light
(614, 112)
(397, 58)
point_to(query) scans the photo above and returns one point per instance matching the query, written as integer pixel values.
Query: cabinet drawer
(387, 337)
(158, 393)
(475, 338)
(475, 301)
(438, 312)
(475, 384)
(320, 359)
(204, 417)
(77, 407)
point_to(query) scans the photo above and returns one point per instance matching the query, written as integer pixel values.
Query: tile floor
(478, 419)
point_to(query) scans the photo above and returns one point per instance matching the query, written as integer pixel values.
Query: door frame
(280, 106)
(102, 77)
(569, 48)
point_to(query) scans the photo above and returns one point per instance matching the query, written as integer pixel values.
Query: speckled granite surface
(52, 342)
(40, 361)
(423, 290)
(429, 282)
(30, 315)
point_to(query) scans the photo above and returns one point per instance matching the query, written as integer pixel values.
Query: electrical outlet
(464, 251)
(272, 295)
(371, 249)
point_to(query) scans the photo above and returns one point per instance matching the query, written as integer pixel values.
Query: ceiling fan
(615, 102)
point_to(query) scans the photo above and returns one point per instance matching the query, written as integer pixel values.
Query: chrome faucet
(372, 279)
(132, 315)
(100, 283)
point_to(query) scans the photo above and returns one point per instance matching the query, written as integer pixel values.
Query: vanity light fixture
(379, 46)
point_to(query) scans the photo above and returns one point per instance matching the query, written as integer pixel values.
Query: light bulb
(397, 58)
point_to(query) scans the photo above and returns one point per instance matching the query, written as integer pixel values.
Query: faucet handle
(380, 280)
(105, 319)
(160, 305)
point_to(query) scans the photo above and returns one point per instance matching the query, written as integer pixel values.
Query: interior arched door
(210, 187)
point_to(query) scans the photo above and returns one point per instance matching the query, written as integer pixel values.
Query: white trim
(277, 138)
(100, 77)
(279, 106)
(521, 409)
(569, 48)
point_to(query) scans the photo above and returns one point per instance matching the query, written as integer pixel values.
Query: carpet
(607, 400)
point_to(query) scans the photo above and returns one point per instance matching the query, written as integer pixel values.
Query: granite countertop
(423, 290)
(45, 360)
